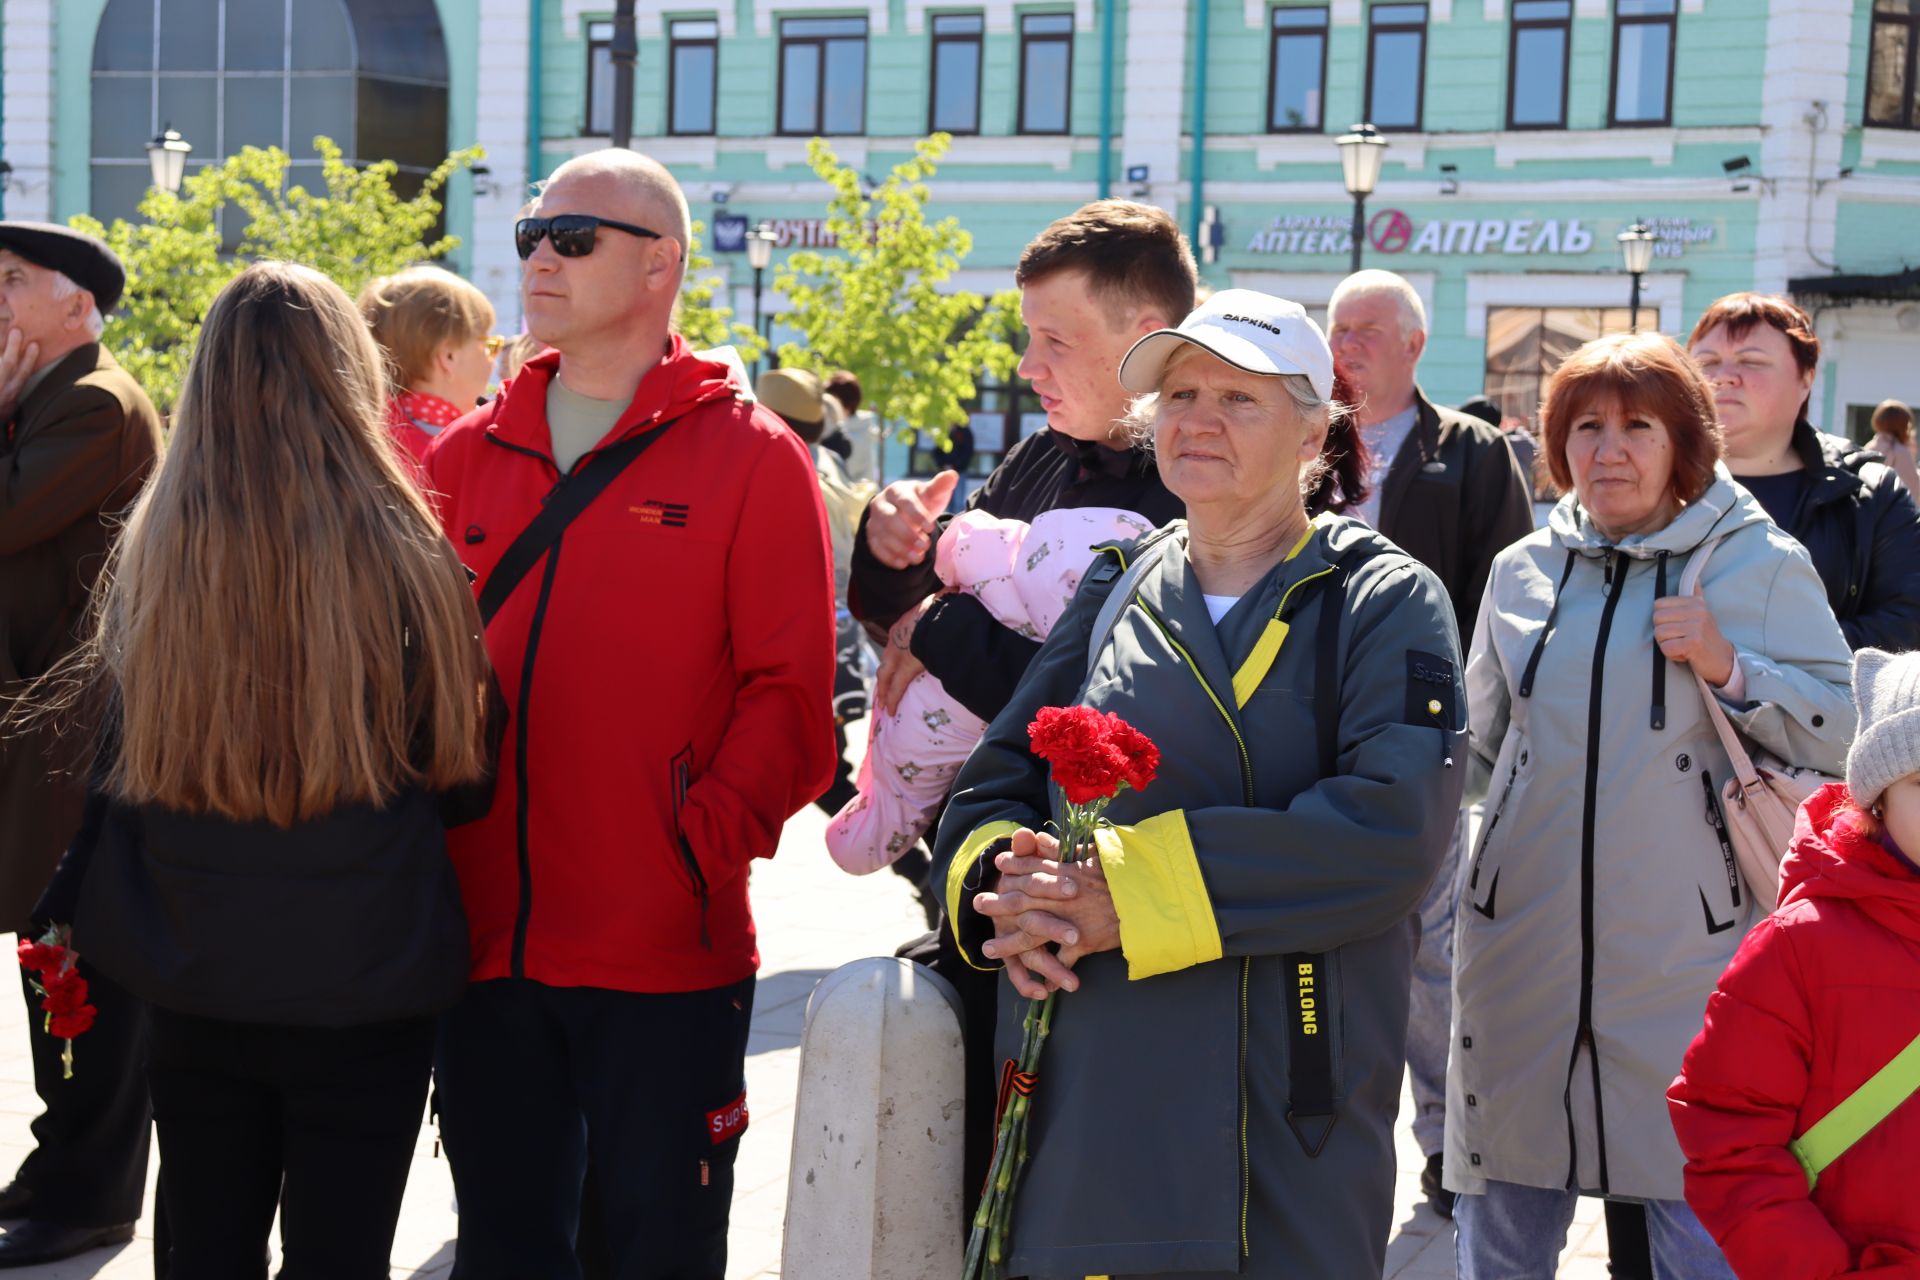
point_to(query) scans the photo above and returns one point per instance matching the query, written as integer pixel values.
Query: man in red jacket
(668, 668)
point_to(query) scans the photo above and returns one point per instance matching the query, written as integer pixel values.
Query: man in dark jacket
(668, 664)
(80, 437)
(1447, 489)
(1090, 285)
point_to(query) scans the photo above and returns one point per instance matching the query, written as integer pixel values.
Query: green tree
(875, 305)
(699, 319)
(357, 228)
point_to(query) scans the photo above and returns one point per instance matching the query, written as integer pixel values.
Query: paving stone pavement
(813, 918)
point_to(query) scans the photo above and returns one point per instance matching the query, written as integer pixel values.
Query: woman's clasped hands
(1040, 902)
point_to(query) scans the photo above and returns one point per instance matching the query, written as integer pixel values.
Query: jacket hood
(682, 381)
(1724, 507)
(1835, 854)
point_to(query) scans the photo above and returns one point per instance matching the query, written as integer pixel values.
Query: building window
(1893, 97)
(1643, 61)
(823, 76)
(1526, 344)
(1296, 70)
(1396, 65)
(599, 80)
(1537, 64)
(1000, 416)
(1046, 72)
(229, 74)
(693, 74)
(953, 105)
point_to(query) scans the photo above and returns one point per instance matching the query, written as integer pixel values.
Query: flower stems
(987, 1244)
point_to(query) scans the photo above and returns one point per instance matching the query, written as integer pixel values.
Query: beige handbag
(1764, 793)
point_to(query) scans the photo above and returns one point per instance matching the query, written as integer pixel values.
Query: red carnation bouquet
(1094, 756)
(62, 991)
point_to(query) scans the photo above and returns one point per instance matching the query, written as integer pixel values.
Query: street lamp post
(624, 54)
(167, 157)
(1361, 153)
(759, 254)
(1636, 247)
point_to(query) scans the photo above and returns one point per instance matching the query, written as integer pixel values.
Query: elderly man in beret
(77, 437)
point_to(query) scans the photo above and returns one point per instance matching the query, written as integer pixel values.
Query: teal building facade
(1771, 144)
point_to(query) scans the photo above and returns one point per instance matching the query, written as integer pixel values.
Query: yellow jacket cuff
(1166, 917)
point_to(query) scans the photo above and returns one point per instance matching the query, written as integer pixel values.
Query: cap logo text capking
(1258, 324)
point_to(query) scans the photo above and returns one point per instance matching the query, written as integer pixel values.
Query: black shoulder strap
(573, 494)
(1326, 671)
(1310, 1088)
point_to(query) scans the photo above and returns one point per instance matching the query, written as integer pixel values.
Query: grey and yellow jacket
(1602, 901)
(1161, 1138)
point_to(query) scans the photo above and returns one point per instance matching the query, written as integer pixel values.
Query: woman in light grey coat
(1603, 899)
(1217, 1096)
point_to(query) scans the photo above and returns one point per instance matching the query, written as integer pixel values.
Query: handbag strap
(1745, 773)
(573, 494)
(1858, 1113)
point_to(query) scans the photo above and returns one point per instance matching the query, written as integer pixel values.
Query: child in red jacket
(1823, 994)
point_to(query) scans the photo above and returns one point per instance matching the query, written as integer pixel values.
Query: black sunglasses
(572, 233)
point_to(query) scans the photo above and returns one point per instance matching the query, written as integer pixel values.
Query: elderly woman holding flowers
(1217, 1094)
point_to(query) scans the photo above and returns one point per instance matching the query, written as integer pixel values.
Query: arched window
(227, 74)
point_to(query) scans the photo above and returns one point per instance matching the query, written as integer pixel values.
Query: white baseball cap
(1249, 330)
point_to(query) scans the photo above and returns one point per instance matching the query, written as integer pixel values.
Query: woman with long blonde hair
(288, 668)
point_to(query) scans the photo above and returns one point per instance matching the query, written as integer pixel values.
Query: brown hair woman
(1844, 504)
(288, 664)
(1600, 903)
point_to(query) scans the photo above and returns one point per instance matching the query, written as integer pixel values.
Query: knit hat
(1886, 689)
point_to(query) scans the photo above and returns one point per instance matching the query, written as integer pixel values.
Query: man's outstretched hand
(904, 519)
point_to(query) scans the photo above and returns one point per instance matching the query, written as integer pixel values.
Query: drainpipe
(1204, 8)
(1108, 12)
(534, 59)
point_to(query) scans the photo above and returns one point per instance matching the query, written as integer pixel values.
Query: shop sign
(730, 233)
(1392, 231)
(1671, 236)
(801, 233)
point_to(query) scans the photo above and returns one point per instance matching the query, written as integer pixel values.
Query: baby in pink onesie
(1026, 575)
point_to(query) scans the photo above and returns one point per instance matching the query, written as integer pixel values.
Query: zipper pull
(1439, 711)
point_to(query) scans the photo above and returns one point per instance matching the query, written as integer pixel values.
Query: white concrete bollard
(873, 1191)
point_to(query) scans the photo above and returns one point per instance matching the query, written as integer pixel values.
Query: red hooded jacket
(1823, 993)
(668, 669)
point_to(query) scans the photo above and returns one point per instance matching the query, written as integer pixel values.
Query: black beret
(74, 254)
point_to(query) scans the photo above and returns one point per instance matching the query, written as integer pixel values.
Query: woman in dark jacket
(288, 656)
(1841, 502)
(1240, 953)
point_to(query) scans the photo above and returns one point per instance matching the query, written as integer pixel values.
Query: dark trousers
(319, 1123)
(529, 1076)
(89, 1164)
(1630, 1254)
(979, 993)
(842, 789)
